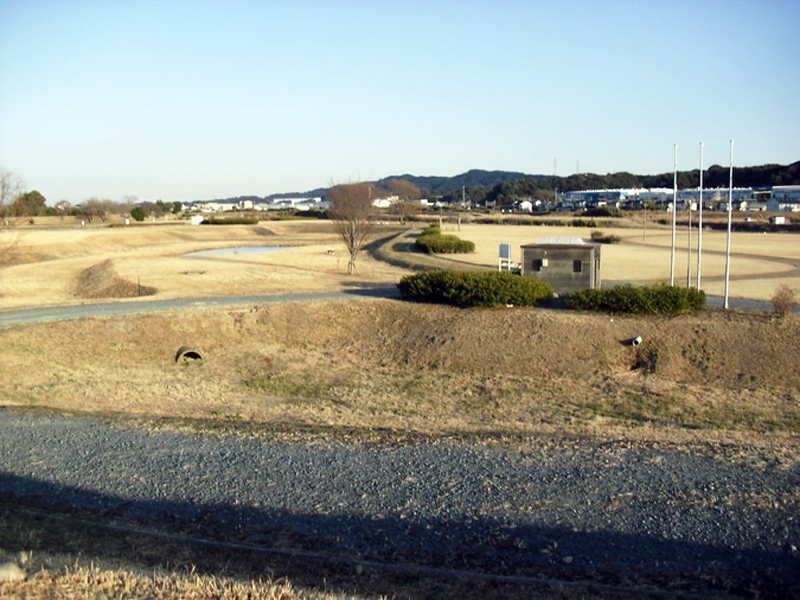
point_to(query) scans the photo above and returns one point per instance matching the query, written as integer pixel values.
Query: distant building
(385, 202)
(785, 198)
(568, 264)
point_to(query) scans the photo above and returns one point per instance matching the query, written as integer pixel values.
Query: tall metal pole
(728, 243)
(674, 216)
(689, 249)
(700, 222)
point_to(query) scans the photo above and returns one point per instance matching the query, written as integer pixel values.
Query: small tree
(29, 204)
(351, 207)
(138, 214)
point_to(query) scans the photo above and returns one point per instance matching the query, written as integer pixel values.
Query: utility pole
(689, 250)
(674, 215)
(700, 222)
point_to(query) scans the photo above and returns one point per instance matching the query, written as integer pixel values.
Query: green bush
(138, 213)
(444, 244)
(475, 288)
(645, 300)
(431, 240)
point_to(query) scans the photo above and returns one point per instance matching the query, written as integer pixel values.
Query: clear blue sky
(184, 100)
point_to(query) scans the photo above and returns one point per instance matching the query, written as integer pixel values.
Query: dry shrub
(784, 300)
(102, 281)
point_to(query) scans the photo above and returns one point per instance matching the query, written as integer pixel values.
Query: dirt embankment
(728, 350)
(402, 366)
(102, 281)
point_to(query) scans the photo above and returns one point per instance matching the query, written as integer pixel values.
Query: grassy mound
(102, 281)
(421, 367)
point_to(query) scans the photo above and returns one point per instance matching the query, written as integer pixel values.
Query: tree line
(544, 187)
(14, 202)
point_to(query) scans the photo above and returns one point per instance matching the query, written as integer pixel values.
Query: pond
(238, 250)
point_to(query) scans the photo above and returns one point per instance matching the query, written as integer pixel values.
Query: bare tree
(11, 185)
(351, 207)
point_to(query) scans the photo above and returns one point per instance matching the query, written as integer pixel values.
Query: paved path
(104, 309)
(560, 509)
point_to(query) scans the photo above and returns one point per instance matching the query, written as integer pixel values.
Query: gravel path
(572, 510)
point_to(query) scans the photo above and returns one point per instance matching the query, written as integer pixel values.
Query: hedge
(475, 288)
(444, 244)
(645, 300)
(603, 211)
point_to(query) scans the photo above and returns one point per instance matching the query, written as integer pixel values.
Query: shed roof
(562, 242)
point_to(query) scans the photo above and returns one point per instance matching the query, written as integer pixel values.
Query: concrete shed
(568, 264)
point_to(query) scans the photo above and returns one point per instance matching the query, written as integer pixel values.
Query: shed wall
(567, 269)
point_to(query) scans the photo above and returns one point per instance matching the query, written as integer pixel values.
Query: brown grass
(387, 364)
(49, 262)
(93, 583)
(760, 263)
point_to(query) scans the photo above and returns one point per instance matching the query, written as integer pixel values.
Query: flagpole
(728, 243)
(674, 215)
(689, 247)
(700, 222)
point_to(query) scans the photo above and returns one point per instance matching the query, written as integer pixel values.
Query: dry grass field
(760, 262)
(366, 364)
(370, 364)
(47, 264)
(368, 367)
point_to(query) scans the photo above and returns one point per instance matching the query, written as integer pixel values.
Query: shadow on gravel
(339, 551)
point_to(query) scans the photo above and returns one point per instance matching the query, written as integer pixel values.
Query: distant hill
(505, 186)
(474, 178)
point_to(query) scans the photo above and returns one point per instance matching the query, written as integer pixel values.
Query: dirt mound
(102, 281)
(724, 350)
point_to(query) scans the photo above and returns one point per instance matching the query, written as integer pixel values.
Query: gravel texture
(578, 510)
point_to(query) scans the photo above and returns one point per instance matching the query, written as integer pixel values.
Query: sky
(203, 99)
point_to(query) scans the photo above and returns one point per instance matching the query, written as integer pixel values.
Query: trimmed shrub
(645, 300)
(432, 240)
(475, 288)
(444, 244)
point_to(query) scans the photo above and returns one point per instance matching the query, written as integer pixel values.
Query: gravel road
(612, 512)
